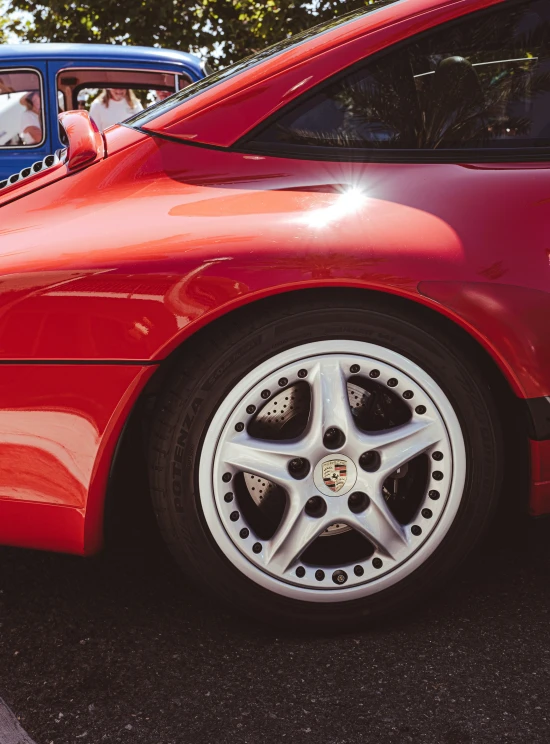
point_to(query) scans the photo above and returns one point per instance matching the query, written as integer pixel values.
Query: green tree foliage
(228, 29)
(3, 28)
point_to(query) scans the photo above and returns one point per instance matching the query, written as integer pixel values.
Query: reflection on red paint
(46, 455)
(58, 428)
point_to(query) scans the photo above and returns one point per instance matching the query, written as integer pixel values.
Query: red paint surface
(125, 258)
(59, 425)
(172, 235)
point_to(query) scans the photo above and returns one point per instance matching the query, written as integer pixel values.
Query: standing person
(114, 105)
(81, 100)
(31, 126)
(162, 95)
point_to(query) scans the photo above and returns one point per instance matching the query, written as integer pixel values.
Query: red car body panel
(196, 232)
(105, 272)
(59, 428)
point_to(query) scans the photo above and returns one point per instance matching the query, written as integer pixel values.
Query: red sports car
(318, 283)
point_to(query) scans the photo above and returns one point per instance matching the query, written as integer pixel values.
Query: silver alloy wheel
(397, 549)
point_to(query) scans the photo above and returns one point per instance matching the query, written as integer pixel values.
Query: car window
(21, 114)
(244, 64)
(112, 95)
(481, 82)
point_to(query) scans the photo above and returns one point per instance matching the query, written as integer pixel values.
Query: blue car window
(112, 94)
(21, 108)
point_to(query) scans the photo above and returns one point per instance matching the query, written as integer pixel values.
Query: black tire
(214, 363)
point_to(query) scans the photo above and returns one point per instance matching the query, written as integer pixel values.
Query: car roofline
(108, 52)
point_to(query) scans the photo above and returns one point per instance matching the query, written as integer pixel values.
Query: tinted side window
(483, 82)
(21, 114)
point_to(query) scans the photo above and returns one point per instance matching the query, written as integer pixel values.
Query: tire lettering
(178, 457)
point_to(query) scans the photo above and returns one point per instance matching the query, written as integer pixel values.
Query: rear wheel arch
(422, 306)
(135, 431)
(426, 311)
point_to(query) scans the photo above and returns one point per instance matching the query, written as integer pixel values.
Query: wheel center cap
(335, 475)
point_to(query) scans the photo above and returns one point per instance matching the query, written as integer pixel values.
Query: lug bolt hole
(300, 572)
(226, 477)
(358, 502)
(392, 382)
(257, 548)
(339, 577)
(354, 369)
(374, 373)
(427, 513)
(283, 381)
(408, 394)
(234, 516)
(239, 426)
(298, 468)
(420, 410)
(358, 570)
(334, 438)
(437, 455)
(265, 394)
(377, 562)
(370, 461)
(316, 507)
(416, 530)
(302, 373)
(250, 409)
(319, 575)
(228, 498)
(434, 495)
(244, 533)
(437, 475)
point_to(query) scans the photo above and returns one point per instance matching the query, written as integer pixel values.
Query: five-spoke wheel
(355, 437)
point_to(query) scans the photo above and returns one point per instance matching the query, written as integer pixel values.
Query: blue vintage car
(38, 81)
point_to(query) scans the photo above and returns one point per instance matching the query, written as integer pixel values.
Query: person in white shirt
(31, 125)
(114, 105)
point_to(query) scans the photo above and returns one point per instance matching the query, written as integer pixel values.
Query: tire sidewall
(197, 393)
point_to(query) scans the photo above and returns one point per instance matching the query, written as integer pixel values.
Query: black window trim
(246, 144)
(43, 103)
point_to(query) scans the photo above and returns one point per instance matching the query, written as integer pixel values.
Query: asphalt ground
(121, 648)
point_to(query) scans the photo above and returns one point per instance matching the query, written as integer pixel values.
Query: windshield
(219, 76)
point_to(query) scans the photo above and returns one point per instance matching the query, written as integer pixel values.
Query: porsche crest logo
(335, 474)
